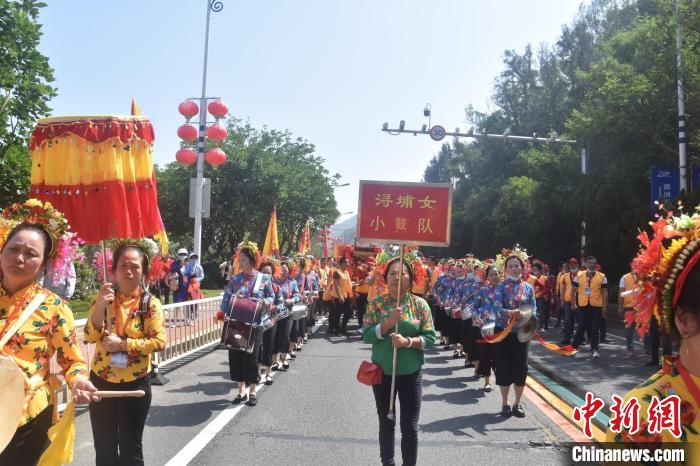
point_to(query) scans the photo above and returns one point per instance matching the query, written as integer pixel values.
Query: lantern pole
(215, 6)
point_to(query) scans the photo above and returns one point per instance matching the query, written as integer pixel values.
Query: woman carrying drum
(243, 365)
(288, 297)
(122, 360)
(30, 234)
(468, 332)
(511, 354)
(415, 333)
(453, 297)
(440, 292)
(486, 304)
(269, 266)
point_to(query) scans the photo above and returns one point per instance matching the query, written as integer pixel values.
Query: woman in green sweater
(415, 334)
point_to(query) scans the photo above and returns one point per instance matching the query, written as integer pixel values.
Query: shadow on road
(462, 397)
(207, 388)
(476, 422)
(185, 414)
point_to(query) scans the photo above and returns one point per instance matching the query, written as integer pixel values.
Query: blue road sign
(665, 183)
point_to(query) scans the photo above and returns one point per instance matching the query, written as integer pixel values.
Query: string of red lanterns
(188, 133)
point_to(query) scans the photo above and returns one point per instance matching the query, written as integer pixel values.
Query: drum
(488, 329)
(300, 311)
(467, 313)
(240, 324)
(12, 399)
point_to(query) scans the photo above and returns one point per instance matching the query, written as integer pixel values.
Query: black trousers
(361, 307)
(543, 311)
(410, 390)
(590, 324)
(118, 423)
(29, 441)
(487, 360)
(455, 330)
(268, 346)
(284, 330)
(243, 366)
(511, 361)
(340, 309)
(658, 341)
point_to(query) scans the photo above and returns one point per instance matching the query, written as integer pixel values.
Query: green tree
(265, 168)
(25, 77)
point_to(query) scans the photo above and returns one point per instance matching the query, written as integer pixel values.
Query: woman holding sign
(415, 333)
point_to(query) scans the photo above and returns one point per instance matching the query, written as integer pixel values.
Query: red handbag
(369, 373)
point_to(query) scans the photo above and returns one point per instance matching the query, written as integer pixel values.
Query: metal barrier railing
(189, 326)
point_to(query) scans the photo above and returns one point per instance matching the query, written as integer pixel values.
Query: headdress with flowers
(662, 265)
(507, 253)
(411, 259)
(273, 262)
(64, 248)
(145, 245)
(36, 213)
(251, 247)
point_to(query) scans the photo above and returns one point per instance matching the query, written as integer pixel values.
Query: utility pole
(682, 157)
(437, 133)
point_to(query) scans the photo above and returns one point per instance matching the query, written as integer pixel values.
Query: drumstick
(119, 394)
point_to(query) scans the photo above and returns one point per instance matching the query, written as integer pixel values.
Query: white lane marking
(202, 439)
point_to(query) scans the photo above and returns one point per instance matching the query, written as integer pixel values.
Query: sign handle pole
(392, 408)
(108, 316)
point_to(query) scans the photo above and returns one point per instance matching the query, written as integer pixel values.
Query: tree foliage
(25, 77)
(608, 82)
(265, 168)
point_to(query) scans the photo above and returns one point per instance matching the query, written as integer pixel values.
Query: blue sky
(329, 71)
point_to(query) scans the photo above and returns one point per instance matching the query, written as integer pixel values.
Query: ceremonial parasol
(98, 171)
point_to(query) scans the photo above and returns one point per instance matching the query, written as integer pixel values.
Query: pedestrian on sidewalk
(511, 354)
(415, 334)
(243, 365)
(591, 300)
(123, 351)
(626, 306)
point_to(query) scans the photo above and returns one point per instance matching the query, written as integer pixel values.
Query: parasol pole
(392, 415)
(108, 324)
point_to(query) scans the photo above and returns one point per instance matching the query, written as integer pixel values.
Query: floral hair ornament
(507, 253)
(146, 245)
(40, 214)
(663, 264)
(251, 247)
(273, 263)
(410, 259)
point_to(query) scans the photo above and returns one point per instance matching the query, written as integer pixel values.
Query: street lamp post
(215, 132)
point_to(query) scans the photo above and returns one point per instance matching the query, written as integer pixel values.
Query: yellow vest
(344, 284)
(566, 287)
(630, 284)
(596, 289)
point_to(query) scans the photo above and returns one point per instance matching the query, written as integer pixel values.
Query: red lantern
(187, 132)
(188, 109)
(217, 108)
(186, 157)
(215, 157)
(216, 132)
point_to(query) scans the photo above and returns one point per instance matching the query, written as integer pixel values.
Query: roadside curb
(563, 400)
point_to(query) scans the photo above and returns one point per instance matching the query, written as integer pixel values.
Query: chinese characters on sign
(661, 415)
(405, 212)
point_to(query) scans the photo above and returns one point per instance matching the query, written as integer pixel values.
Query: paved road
(317, 413)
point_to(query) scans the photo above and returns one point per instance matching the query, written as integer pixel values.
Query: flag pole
(392, 408)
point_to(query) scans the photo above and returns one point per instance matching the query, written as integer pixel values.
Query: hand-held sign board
(404, 213)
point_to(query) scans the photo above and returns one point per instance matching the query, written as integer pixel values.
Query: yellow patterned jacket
(48, 331)
(144, 335)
